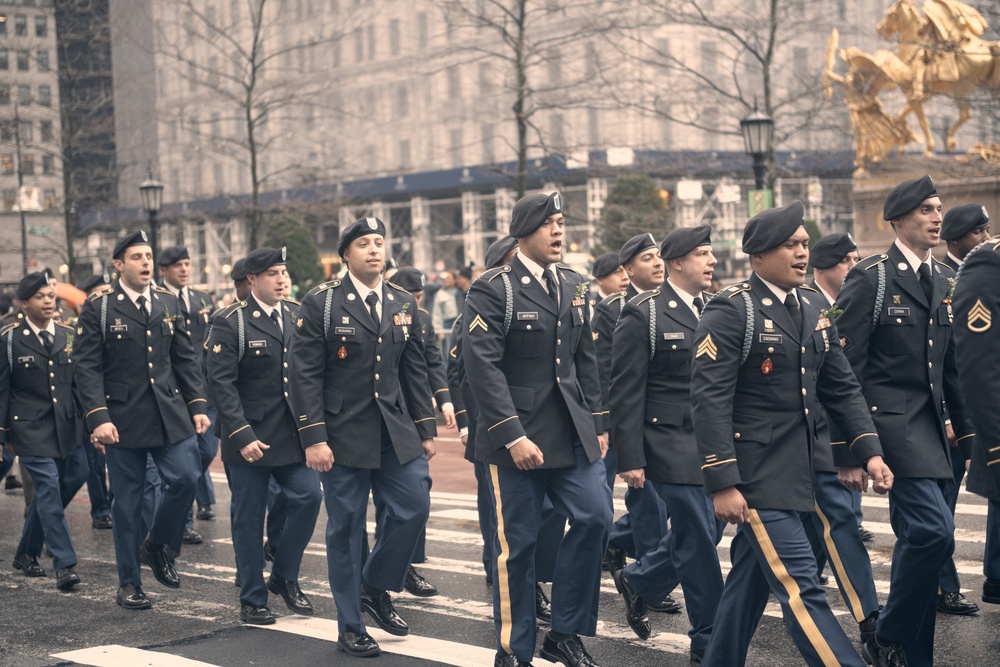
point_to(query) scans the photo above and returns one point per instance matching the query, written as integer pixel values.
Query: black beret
(410, 279)
(498, 250)
(681, 241)
(30, 284)
(634, 246)
(93, 281)
(357, 229)
(172, 255)
(239, 271)
(960, 220)
(907, 196)
(391, 263)
(262, 259)
(769, 229)
(605, 264)
(127, 241)
(531, 211)
(831, 250)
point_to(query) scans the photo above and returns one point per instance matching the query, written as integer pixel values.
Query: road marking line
(114, 655)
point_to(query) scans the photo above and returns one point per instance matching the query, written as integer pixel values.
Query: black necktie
(926, 282)
(792, 304)
(183, 303)
(141, 305)
(550, 283)
(276, 319)
(372, 301)
(699, 305)
(47, 339)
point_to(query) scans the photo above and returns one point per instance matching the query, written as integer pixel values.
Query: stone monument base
(960, 179)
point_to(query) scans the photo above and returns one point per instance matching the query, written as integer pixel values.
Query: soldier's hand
(854, 478)
(105, 434)
(634, 478)
(201, 423)
(254, 451)
(527, 455)
(950, 432)
(429, 449)
(881, 475)
(465, 438)
(319, 457)
(731, 506)
(602, 440)
(449, 416)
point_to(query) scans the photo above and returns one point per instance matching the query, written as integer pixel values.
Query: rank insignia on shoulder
(478, 323)
(980, 318)
(707, 348)
(216, 348)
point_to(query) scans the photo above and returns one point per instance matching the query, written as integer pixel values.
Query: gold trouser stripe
(838, 566)
(798, 607)
(503, 581)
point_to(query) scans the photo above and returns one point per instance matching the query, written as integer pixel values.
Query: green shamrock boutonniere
(951, 291)
(832, 312)
(68, 349)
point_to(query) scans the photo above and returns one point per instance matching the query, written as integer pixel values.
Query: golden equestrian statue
(876, 133)
(947, 56)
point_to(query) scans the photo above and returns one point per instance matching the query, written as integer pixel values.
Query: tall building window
(41, 26)
(709, 58)
(394, 37)
(404, 154)
(422, 31)
(23, 60)
(4, 59)
(48, 165)
(3, 25)
(402, 101)
(23, 95)
(49, 198)
(9, 199)
(371, 42)
(21, 25)
(46, 130)
(7, 162)
(485, 79)
(42, 58)
(454, 83)
(359, 45)
(4, 94)
(45, 96)
(6, 131)
(487, 139)
(28, 164)
(27, 131)
(455, 147)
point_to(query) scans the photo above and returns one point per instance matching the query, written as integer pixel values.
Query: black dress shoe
(191, 537)
(158, 561)
(417, 585)
(635, 611)
(29, 565)
(614, 559)
(269, 552)
(697, 657)
(865, 534)
(256, 615)
(667, 606)
(489, 581)
(205, 513)
(378, 604)
(824, 580)
(991, 591)
(878, 654)
(569, 651)
(12, 482)
(132, 597)
(360, 646)
(543, 608)
(290, 592)
(867, 626)
(508, 660)
(66, 578)
(956, 604)
(101, 522)
(238, 581)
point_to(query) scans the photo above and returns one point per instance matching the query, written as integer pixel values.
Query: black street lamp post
(152, 199)
(757, 128)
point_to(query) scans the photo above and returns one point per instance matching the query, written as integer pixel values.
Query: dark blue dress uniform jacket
(606, 314)
(138, 374)
(823, 454)
(977, 302)
(651, 424)
(755, 422)
(252, 394)
(540, 379)
(348, 380)
(466, 412)
(199, 315)
(38, 412)
(436, 373)
(906, 366)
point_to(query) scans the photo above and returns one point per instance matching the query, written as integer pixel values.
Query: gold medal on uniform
(767, 366)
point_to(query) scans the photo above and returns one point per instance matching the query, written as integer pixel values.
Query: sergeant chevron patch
(478, 322)
(979, 313)
(707, 348)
